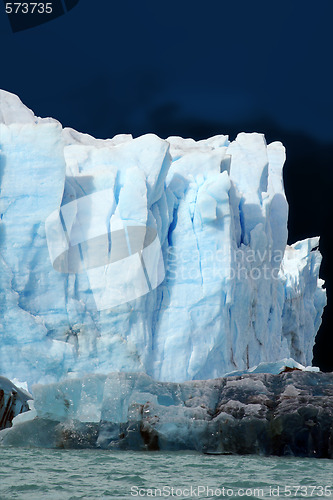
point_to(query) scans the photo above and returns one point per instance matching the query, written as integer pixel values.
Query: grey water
(39, 474)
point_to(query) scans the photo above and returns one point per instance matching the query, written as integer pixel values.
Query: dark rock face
(301, 423)
(13, 401)
(292, 414)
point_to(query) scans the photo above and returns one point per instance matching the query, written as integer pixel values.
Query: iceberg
(144, 255)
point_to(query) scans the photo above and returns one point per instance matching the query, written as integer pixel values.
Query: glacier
(144, 255)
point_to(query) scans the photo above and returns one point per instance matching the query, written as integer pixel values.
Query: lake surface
(39, 474)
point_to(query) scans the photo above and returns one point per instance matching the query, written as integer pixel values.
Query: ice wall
(219, 291)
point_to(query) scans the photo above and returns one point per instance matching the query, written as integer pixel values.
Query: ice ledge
(284, 365)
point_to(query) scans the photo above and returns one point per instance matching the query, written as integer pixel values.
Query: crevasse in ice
(167, 257)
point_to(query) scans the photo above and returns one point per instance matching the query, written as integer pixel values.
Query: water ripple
(34, 474)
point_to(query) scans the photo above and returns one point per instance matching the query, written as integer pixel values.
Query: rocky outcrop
(13, 401)
(286, 414)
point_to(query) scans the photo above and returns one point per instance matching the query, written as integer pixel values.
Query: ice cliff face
(162, 256)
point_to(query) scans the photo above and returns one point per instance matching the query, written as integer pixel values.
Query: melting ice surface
(220, 291)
